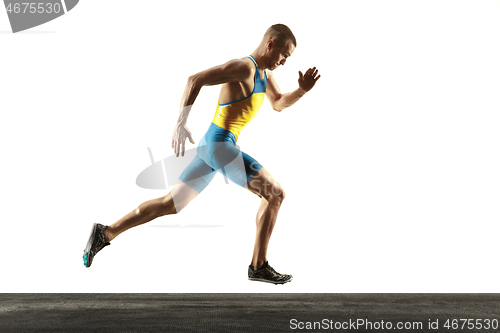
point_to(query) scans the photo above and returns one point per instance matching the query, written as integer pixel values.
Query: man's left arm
(281, 101)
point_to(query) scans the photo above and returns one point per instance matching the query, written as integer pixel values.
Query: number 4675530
(33, 8)
(471, 324)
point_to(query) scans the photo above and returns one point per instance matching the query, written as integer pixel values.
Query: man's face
(279, 54)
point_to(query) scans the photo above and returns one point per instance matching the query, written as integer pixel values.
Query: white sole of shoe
(91, 238)
(268, 281)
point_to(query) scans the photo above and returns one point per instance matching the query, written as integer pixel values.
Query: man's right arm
(233, 71)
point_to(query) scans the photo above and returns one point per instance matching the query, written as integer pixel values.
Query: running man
(244, 82)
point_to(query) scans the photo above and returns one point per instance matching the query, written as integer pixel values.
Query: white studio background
(390, 163)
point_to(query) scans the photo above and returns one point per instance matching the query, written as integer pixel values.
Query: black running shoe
(95, 244)
(268, 274)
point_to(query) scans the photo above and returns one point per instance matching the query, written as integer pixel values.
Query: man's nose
(282, 62)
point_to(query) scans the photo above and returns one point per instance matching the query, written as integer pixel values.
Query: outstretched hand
(181, 132)
(308, 80)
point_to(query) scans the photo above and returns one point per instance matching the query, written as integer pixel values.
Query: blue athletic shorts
(217, 151)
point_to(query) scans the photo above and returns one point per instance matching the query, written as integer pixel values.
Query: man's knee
(168, 206)
(277, 194)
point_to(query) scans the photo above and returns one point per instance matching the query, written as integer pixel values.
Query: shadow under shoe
(96, 243)
(268, 274)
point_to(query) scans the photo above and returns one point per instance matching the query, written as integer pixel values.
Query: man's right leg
(193, 180)
(172, 203)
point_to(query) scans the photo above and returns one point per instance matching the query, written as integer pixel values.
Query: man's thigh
(197, 174)
(234, 164)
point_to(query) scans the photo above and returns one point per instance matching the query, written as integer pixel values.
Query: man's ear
(270, 44)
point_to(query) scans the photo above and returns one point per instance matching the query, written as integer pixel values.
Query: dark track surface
(233, 312)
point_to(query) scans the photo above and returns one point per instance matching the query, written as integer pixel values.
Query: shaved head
(280, 33)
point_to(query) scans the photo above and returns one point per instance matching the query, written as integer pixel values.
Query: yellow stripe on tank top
(234, 116)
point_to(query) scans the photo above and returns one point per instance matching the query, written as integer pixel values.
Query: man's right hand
(181, 132)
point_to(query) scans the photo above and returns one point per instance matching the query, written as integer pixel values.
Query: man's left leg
(244, 170)
(272, 195)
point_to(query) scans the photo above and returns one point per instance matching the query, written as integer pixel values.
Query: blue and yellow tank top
(235, 115)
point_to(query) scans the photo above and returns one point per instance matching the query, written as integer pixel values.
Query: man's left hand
(308, 80)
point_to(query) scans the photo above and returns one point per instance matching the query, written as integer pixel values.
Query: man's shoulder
(235, 70)
(243, 65)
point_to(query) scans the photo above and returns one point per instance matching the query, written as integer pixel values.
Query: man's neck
(258, 55)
